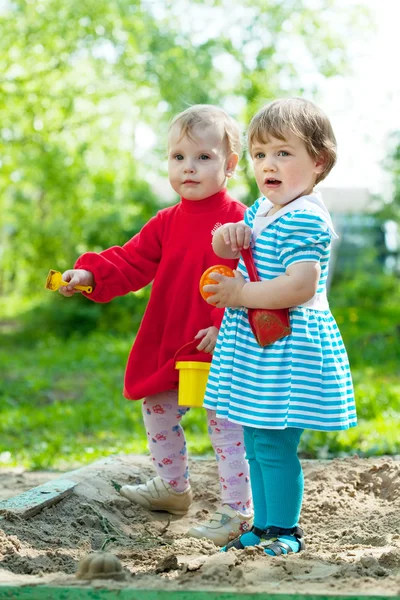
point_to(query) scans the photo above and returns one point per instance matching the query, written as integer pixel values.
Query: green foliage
(79, 81)
(378, 411)
(56, 316)
(367, 310)
(366, 304)
(62, 402)
(61, 378)
(62, 405)
(77, 78)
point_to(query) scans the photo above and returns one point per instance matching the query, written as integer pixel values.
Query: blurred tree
(86, 88)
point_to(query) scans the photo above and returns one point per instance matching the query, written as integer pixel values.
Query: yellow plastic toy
(193, 377)
(54, 281)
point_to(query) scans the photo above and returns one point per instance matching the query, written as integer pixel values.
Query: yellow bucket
(192, 382)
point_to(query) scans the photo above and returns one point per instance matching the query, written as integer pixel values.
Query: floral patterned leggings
(162, 419)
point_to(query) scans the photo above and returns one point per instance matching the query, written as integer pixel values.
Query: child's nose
(269, 164)
(189, 167)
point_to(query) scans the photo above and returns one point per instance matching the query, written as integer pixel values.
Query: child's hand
(75, 277)
(236, 235)
(227, 292)
(209, 340)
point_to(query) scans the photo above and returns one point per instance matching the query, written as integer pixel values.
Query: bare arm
(298, 285)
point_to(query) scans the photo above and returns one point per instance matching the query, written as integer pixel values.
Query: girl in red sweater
(172, 250)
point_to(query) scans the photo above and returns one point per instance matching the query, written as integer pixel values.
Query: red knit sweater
(172, 250)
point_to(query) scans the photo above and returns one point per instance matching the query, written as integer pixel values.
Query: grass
(61, 402)
(62, 405)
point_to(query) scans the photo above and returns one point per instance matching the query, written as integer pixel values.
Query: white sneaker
(156, 494)
(225, 525)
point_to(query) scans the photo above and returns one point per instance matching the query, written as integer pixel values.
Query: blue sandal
(236, 543)
(269, 540)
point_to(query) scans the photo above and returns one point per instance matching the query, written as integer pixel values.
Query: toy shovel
(54, 281)
(267, 325)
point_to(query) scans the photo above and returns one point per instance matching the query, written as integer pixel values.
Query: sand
(351, 519)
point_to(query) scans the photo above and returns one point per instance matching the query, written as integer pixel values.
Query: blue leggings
(276, 475)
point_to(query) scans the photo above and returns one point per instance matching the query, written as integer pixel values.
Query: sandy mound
(351, 517)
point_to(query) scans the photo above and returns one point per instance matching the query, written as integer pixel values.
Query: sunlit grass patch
(62, 405)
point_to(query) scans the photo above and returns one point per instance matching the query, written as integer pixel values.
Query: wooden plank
(32, 501)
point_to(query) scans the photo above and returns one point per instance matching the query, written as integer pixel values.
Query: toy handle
(191, 343)
(83, 288)
(249, 264)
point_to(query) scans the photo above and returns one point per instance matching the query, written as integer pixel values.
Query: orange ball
(207, 280)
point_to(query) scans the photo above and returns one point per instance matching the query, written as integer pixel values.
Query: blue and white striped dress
(302, 380)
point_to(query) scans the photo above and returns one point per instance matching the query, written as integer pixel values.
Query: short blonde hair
(302, 118)
(207, 115)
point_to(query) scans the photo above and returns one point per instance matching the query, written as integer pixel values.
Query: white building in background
(347, 200)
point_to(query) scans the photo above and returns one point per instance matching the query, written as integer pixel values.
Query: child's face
(198, 167)
(284, 170)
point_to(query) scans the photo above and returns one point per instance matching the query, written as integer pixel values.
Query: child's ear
(231, 164)
(320, 163)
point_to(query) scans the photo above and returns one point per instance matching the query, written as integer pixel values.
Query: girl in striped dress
(303, 380)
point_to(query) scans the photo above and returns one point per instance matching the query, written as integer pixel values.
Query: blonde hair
(207, 115)
(302, 118)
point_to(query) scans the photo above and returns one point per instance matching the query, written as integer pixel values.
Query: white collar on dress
(312, 202)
